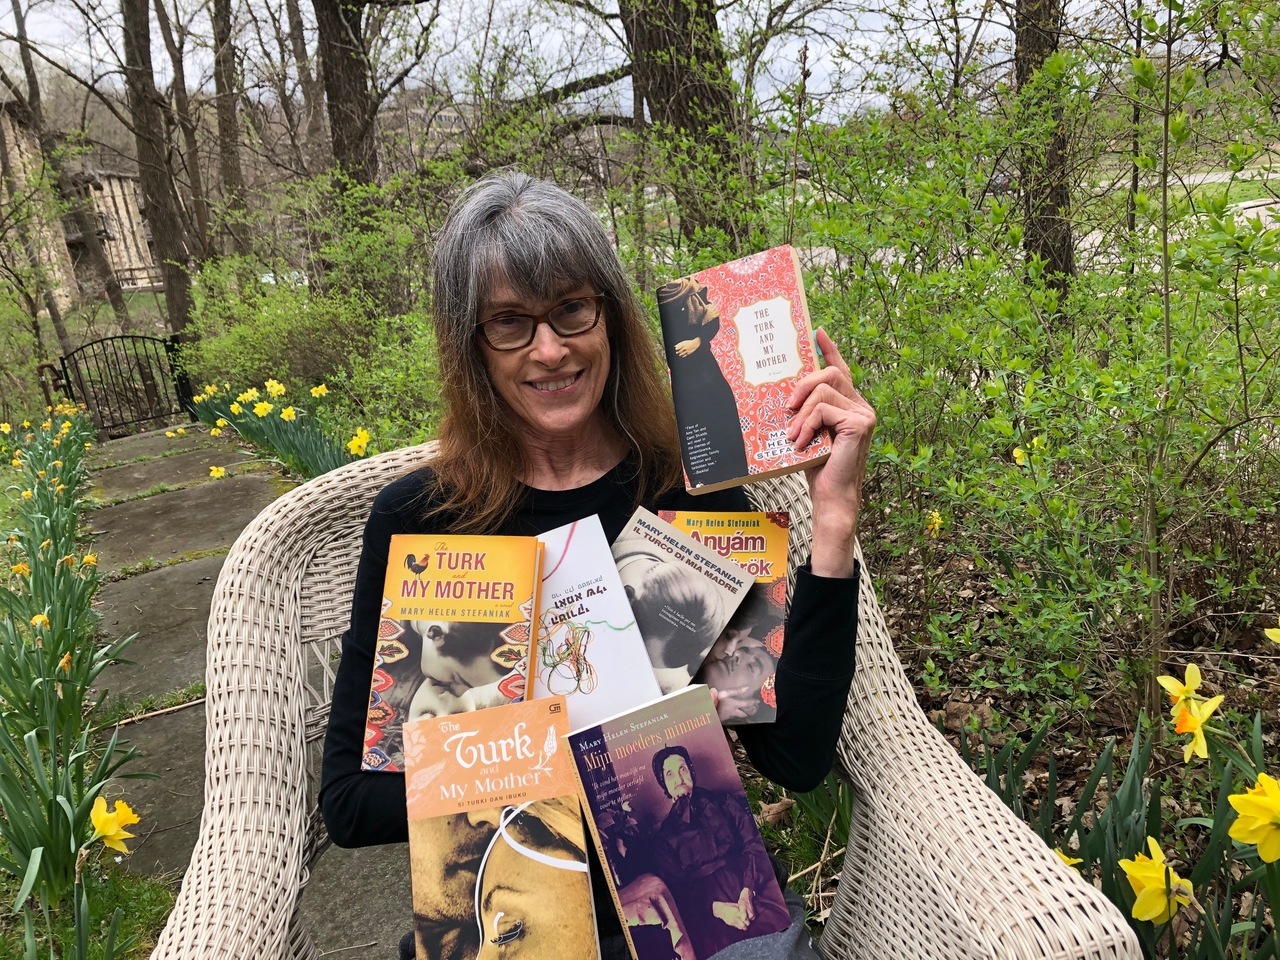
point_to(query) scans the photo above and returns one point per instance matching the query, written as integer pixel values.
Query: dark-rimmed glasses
(569, 318)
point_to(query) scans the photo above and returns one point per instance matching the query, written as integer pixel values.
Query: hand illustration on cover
(711, 439)
(461, 668)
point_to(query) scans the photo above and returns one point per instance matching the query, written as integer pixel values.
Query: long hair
(536, 238)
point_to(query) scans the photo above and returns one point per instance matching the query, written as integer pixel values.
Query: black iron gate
(125, 382)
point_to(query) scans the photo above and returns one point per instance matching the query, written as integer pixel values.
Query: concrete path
(161, 533)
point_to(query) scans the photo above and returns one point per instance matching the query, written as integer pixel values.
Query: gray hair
(530, 234)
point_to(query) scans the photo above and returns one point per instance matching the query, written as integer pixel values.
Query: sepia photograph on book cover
(454, 635)
(742, 664)
(497, 843)
(737, 336)
(681, 593)
(681, 850)
(589, 647)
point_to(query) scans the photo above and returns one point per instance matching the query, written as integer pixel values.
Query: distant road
(1222, 176)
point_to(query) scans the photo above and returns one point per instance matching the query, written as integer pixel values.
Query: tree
(169, 237)
(224, 80)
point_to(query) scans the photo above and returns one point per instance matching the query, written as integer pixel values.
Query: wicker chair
(936, 867)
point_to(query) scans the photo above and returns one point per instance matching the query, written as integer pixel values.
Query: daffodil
(7, 428)
(89, 560)
(215, 432)
(58, 464)
(1182, 693)
(248, 396)
(360, 442)
(68, 561)
(21, 569)
(217, 472)
(262, 408)
(1070, 861)
(235, 408)
(65, 663)
(1019, 456)
(221, 422)
(15, 462)
(45, 544)
(26, 424)
(210, 389)
(181, 431)
(1160, 891)
(1191, 719)
(110, 827)
(319, 391)
(170, 434)
(288, 413)
(27, 494)
(1259, 817)
(40, 621)
(1272, 634)
(933, 525)
(40, 474)
(274, 388)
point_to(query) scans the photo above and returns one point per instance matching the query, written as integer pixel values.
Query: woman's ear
(631, 593)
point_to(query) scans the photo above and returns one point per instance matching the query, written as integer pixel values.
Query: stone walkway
(169, 534)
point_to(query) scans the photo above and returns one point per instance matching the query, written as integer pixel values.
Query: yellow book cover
(743, 662)
(457, 618)
(497, 843)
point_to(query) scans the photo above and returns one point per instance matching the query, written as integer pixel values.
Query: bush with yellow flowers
(1201, 887)
(53, 761)
(284, 429)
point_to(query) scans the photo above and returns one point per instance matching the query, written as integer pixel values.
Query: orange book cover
(737, 338)
(497, 843)
(743, 662)
(457, 618)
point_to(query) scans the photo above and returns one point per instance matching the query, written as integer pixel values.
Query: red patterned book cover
(457, 618)
(682, 855)
(737, 338)
(743, 662)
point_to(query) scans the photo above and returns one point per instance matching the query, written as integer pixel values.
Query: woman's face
(522, 906)
(554, 385)
(743, 661)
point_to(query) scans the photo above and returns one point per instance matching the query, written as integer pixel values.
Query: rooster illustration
(411, 562)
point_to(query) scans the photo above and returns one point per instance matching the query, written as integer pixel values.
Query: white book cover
(589, 647)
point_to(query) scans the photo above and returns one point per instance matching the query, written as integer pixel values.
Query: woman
(555, 409)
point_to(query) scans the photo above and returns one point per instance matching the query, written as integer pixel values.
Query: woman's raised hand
(827, 399)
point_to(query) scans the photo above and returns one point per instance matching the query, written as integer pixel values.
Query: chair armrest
(936, 863)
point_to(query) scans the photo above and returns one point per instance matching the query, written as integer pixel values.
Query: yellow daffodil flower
(288, 413)
(7, 428)
(66, 427)
(210, 389)
(274, 388)
(13, 538)
(170, 434)
(933, 525)
(262, 408)
(1070, 861)
(217, 472)
(1191, 719)
(89, 560)
(59, 488)
(1019, 456)
(249, 395)
(236, 409)
(1160, 891)
(1037, 443)
(215, 432)
(58, 464)
(44, 544)
(319, 391)
(87, 445)
(21, 569)
(181, 431)
(221, 422)
(65, 663)
(26, 424)
(1259, 817)
(15, 462)
(360, 442)
(68, 561)
(1272, 634)
(47, 425)
(40, 621)
(27, 494)
(110, 827)
(1182, 693)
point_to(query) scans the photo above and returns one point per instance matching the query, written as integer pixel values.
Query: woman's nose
(548, 347)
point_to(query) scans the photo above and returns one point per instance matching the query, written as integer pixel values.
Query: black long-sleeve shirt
(812, 682)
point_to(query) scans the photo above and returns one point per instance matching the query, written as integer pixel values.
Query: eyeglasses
(512, 331)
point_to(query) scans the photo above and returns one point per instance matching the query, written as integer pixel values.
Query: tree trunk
(315, 142)
(168, 234)
(680, 68)
(79, 205)
(224, 82)
(345, 65)
(1046, 191)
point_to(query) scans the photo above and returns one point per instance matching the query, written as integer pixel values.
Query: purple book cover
(682, 853)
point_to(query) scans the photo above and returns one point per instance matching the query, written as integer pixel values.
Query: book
(743, 662)
(737, 338)
(683, 858)
(681, 593)
(589, 647)
(497, 845)
(457, 620)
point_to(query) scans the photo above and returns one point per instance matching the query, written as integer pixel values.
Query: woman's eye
(509, 935)
(512, 320)
(571, 307)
